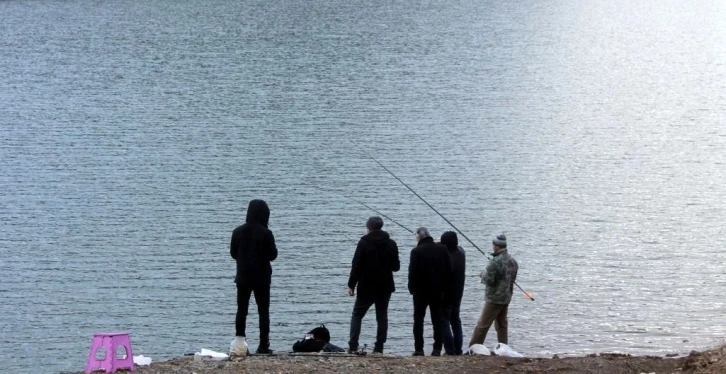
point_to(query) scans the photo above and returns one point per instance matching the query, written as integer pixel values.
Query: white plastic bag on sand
(479, 349)
(210, 355)
(238, 346)
(504, 350)
(142, 360)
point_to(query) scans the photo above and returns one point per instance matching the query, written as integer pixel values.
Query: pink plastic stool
(110, 342)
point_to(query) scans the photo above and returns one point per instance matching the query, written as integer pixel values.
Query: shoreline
(710, 361)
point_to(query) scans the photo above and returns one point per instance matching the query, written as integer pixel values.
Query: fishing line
(527, 294)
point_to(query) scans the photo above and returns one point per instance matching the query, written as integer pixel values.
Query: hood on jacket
(376, 236)
(450, 240)
(258, 212)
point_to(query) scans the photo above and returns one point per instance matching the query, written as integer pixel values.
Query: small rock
(672, 355)
(556, 357)
(693, 353)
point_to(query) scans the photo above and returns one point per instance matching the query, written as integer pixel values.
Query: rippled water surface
(133, 134)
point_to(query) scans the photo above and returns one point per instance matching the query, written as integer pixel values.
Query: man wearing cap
(374, 262)
(429, 278)
(499, 278)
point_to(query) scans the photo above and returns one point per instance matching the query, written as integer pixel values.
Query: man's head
(450, 240)
(258, 212)
(499, 242)
(422, 233)
(374, 223)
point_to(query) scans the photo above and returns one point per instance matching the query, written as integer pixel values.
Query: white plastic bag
(479, 349)
(238, 346)
(504, 350)
(209, 355)
(142, 360)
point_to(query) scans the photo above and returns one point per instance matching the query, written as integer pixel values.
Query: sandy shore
(713, 361)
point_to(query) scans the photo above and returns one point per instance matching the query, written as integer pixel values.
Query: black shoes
(436, 352)
(359, 352)
(418, 353)
(263, 350)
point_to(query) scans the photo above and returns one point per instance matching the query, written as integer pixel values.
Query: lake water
(133, 134)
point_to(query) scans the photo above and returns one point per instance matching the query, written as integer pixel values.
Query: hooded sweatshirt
(458, 265)
(374, 262)
(253, 246)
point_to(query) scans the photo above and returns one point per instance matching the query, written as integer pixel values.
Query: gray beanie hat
(500, 240)
(374, 223)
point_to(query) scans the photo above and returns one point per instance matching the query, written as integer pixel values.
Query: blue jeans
(453, 336)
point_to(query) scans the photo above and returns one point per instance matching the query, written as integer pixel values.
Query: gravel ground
(713, 361)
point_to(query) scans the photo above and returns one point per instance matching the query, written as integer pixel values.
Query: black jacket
(253, 246)
(429, 271)
(458, 276)
(374, 262)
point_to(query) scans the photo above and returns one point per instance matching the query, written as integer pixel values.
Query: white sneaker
(238, 347)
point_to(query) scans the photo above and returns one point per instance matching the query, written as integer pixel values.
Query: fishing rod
(527, 294)
(363, 204)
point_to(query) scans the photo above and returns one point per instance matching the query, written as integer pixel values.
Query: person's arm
(412, 272)
(395, 261)
(356, 267)
(449, 276)
(233, 246)
(271, 247)
(490, 277)
(514, 279)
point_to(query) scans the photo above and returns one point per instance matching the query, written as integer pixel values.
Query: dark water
(132, 135)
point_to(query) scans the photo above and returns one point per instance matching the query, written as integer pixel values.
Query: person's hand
(351, 292)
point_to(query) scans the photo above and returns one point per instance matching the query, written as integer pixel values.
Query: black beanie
(374, 223)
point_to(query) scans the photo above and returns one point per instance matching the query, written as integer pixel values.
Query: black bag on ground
(321, 332)
(332, 348)
(308, 345)
(314, 341)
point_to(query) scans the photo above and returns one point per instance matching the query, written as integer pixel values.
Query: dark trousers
(362, 304)
(496, 313)
(420, 303)
(262, 298)
(453, 335)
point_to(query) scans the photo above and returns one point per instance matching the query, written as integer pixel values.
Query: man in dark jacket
(453, 336)
(374, 262)
(499, 278)
(253, 246)
(429, 277)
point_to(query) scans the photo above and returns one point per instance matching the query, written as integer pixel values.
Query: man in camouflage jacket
(499, 279)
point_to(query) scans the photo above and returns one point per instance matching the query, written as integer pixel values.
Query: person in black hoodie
(374, 262)
(429, 277)
(253, 246)
(453, 335)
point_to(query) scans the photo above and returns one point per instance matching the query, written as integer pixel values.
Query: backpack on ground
(314, 341)
(321, 332)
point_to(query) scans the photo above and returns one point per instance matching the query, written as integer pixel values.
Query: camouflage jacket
(499, 278)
